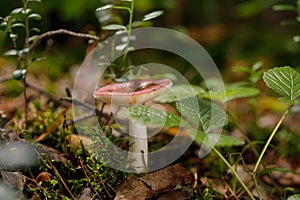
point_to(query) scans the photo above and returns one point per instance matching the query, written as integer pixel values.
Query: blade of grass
(234, 173)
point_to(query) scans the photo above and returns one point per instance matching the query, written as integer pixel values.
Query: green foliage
(154, 117)
(212, 139)
(274, 169)
(285, 81)
(208, 117)
(232, 93)
(293, 8)
(254, 73)
(294, 197)
(202, 113)
(113, 22)
(178, 92)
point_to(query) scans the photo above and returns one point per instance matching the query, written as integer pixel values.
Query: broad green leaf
(179, 92)
(283, 80)
(11, 52)
(154, 117)
(108, 6)
(35, 16)
(275, 169)
(204, 114)
(213, 139)
(127, 0)
(152, 15)
(232, 93)
(294, 197)
(114, 27)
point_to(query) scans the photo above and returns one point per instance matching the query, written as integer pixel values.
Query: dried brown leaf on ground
(172, 182)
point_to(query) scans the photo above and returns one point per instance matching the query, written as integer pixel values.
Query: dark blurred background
(234, 32)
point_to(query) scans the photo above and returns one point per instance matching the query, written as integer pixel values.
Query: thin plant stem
(234, 173)
(24, 60)
(269, 140)
(256, 185)
(62, 180)
(129, 29)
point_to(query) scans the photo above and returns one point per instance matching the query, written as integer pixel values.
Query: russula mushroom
(134, 92)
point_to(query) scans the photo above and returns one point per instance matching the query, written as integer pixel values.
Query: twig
(47, 94)
(77, 102)
(5, 78)
(61, 179)
(62, 32)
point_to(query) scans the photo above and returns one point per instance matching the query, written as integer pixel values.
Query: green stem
(129, 29)
(256, 185)
(269, 140)
(24, 60)
(234, 173)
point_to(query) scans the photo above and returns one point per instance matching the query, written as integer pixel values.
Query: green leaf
(13, 36)
(19, 74)
(179, 92)
(294, 197)
(11, 52)
(272, 169)
(204, 114)
(242, 69)
(33, 38)
(154, 117)
(284, 7)
(18, 25)
(296, 38)
(152, 15)
(213, 139)
(39, 1)
(37, 30)
(3, 26)
(17, 11)
(257, 65)
(232, 93)
(114, 27)
(108, 6)
(283, 80)
(35, 16)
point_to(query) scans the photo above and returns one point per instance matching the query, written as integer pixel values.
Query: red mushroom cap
(136, 91)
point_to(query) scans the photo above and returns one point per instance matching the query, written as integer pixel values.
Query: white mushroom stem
(138, 150)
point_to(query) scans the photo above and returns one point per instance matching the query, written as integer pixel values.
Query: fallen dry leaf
(173, 181)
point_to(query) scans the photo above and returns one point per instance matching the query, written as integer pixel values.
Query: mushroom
(134, 92)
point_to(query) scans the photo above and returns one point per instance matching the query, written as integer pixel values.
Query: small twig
(47, 94)
(5, 78)
(61, 179)
(77, 102)
(88, 177)
(62, 32)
